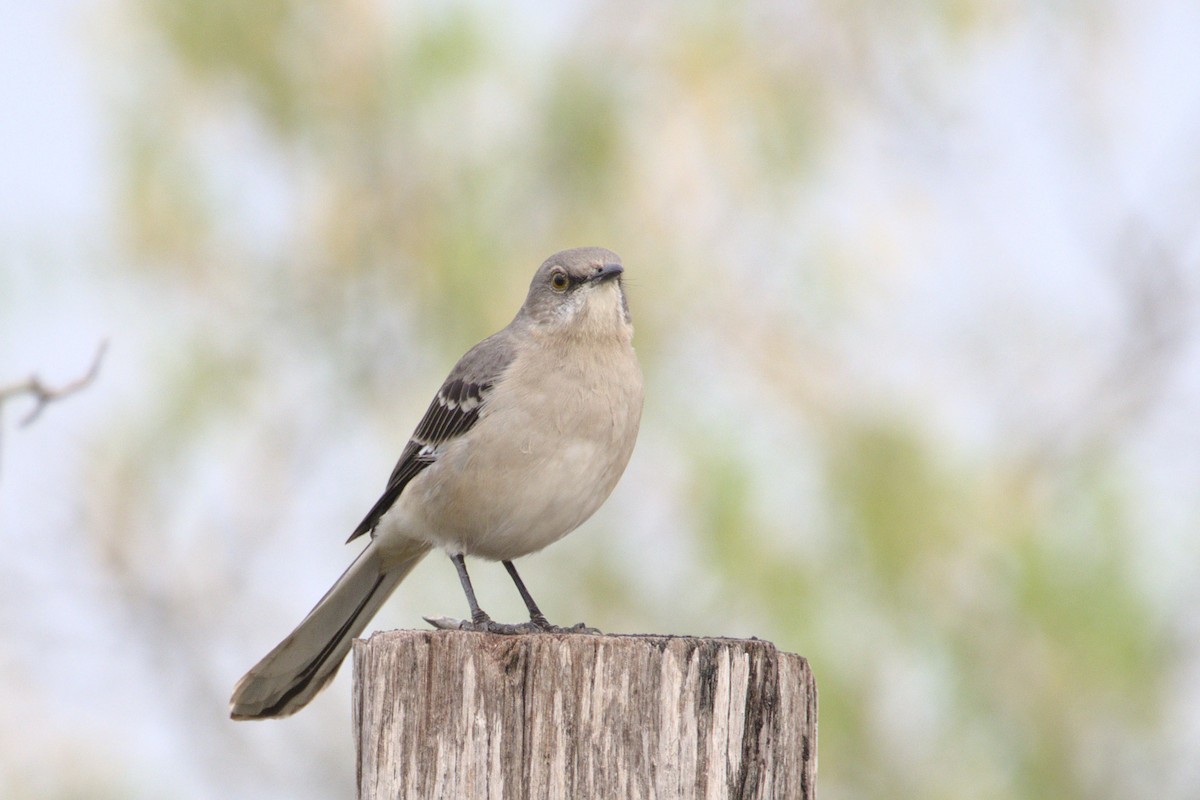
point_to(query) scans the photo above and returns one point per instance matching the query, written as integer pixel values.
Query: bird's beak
(606, 272)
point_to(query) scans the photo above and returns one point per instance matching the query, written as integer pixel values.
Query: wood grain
(469, 715)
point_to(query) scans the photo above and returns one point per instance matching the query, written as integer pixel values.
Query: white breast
(548, 449)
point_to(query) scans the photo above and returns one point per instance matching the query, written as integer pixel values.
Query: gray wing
(453, 412)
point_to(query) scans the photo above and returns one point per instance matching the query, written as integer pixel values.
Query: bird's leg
(480, 622)
(535, 614)
(478, 615)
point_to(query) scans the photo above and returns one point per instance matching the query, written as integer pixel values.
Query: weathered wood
(469, 715)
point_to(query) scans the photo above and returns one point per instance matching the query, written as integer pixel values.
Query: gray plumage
(527, 436)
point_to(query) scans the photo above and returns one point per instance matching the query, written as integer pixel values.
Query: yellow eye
(558, 282)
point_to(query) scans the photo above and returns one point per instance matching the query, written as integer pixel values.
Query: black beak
(606, 272)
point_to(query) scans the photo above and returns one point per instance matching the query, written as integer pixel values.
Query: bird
(525, 439)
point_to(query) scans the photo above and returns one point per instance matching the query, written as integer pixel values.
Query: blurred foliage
(1053, 639)
(344, 195)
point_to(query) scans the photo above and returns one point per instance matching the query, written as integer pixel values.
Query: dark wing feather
(452, 413)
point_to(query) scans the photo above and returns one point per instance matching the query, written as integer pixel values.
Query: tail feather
(288, 677)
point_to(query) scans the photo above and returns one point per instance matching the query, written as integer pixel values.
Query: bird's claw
(505, 628)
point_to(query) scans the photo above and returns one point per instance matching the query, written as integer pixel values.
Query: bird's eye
(558, 282)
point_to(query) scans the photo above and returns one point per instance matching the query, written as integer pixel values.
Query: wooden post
(468, 715)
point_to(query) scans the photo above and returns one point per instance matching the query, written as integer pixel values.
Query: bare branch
(44, 395)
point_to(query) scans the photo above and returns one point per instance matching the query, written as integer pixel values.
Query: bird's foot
(545, 626)
(483, 626)
(506, 628)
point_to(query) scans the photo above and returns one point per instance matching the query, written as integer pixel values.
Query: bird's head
(579, 292)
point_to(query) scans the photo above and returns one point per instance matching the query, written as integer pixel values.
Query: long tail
(301, 665)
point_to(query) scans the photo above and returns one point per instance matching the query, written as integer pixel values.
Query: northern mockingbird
(526, 438)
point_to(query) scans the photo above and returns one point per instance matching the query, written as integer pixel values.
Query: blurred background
(915, 287)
